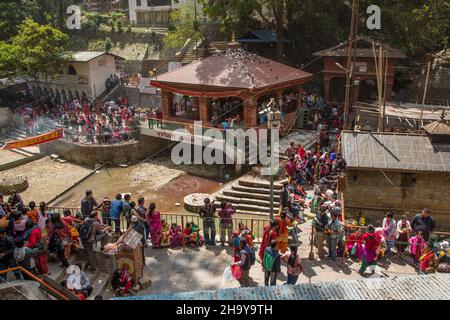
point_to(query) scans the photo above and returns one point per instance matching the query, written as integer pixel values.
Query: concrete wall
(99, 70)
(111, 155)
(408, 193)
(135, 98)
(4, 119)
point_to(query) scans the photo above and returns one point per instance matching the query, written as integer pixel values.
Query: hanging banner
(33, 141)
(174, 65)
(146, 87)
(222, 94)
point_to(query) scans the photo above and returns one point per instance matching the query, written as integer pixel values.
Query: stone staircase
(250, 197)
(190, 54)
(99, 279)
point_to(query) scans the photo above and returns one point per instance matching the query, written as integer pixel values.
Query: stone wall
(409, 193)
(111, 155)
(4, 120)
(134, 97)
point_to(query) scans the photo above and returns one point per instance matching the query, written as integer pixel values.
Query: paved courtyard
(202, 268)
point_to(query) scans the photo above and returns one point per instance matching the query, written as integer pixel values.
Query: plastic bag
(236, 272)
(227, 275)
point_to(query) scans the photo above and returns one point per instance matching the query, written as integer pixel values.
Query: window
(138, 3)
(408, 180)
(72, 71)
(155, 3)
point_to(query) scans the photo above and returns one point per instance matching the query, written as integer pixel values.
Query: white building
(84, 76)
(152, 13)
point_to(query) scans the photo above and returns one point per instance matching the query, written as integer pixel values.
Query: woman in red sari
(154, 221)
(270, 233)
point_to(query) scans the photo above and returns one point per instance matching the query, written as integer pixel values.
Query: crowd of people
(343, 239)
(84, 121)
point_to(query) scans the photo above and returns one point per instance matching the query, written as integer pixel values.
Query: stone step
(100, 283)
(246, 201)
(243, 207)
(257, 214)
(256, 184)
(249, 195)
(252, 190)
(23, 152)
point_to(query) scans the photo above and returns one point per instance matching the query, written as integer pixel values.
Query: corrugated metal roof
(363, 49)
(86, 56)
(366, 150)
(261, 36)
(234, 69)
(430, 287)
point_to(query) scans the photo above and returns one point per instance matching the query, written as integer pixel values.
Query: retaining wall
(405, 193)
(90, 155)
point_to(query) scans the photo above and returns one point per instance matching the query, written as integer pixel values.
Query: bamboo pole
(425, 92)
(384, 90)
(311, 253)
(31, 275)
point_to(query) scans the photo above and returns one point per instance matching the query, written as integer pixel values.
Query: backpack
(85, 230)
(269, 261)
(252, 255)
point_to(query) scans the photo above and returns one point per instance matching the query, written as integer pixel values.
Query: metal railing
(122, 137)
(256, 225)
(35, 278)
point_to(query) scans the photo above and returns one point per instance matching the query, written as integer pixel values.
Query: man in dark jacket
(320, 222)
(271, 264)
(207, 212)
(423, 222)
(88, 204)
(95, 234)
(284, 195)
(7, 259)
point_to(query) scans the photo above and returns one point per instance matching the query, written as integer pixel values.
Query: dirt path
(46, 178)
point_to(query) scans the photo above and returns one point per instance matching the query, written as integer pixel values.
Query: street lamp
(273, 123)
(340, 66)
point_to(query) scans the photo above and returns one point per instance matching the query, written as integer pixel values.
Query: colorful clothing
(33, 240)
(282, 233)
(154, 221)
(268, 235)
(33, 215)
(416, 246)
(176, 237)
(372, 241)
(355, 245)
(165, 236)
(428, 262)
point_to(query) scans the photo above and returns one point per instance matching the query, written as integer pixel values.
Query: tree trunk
(278, 10)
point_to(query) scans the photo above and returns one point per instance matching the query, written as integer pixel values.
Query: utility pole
(425, 92)
(196, 27)
(384, 90)
(348, 83)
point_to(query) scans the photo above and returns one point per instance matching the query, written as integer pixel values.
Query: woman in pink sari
(154, 221)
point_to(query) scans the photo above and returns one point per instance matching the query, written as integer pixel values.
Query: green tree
(183, 27)
(8, 60)
(40, 51)
(11, 17)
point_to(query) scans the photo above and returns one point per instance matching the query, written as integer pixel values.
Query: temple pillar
(326, 89)
(195, 106)
(355, 97)
(204, 110)
(250, 112)
(298, 97)
(166, 104)
(389, 91)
